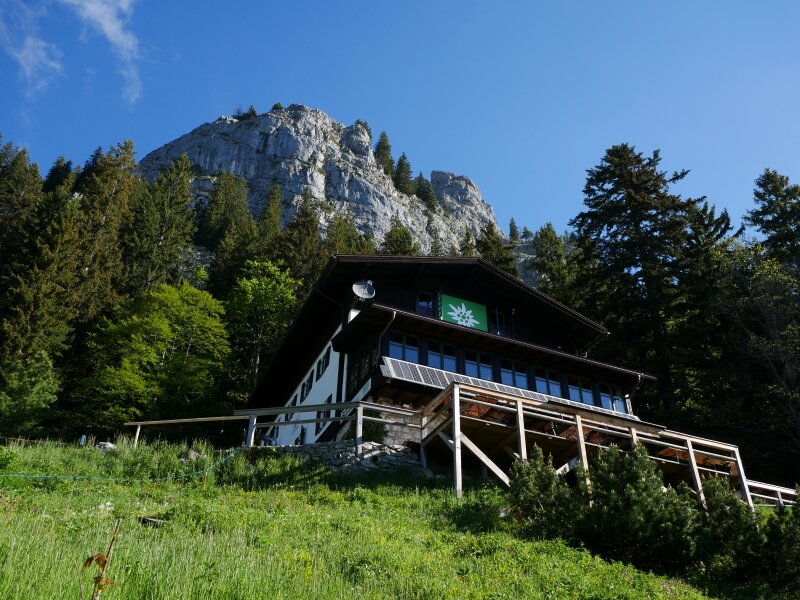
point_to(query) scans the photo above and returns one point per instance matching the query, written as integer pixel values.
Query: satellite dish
(364, 290)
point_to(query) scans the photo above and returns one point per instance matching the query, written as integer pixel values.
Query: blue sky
(522, 97)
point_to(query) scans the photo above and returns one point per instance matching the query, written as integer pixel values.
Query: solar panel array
(439, 379)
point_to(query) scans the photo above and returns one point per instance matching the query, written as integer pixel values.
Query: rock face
(298, 148)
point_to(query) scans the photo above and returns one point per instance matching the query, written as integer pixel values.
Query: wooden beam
(423, 453)
(634, 437)
(695, 473)
(485, 460)
(195, 420)
(582, 450)
(136, 435)
(359, 441)
(251, 431)
(745, 487)
(440, 427)
(523, 448)
(510, 451)
(457, 474)
(450, 444)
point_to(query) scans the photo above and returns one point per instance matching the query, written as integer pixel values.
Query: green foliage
(549, 265)
(383, 154)
(780, 557)
(467, 245)
(162, 355)
(240, 244)
(27, 388)
(342, 237)
(513, 232)
(269, 224)
(365, 125)
(541, 500)
(277, 106)
(227, 210)
(633, 518)
(424, 191)
(399, 241)
(271, 526)
(402, 176)
(159, 235)
(777, 216)
(490, 247)
(259, 310)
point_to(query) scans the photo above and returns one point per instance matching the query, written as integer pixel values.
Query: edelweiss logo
(462, 315)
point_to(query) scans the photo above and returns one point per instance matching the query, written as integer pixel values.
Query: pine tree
(513, 232)
(227, 208)
(467, 245)
(399, 241)
(269, 224)
(402, 176)
(342, 237)
(777, 216)
(490, 247)
(300, 247)
(548, 263)
(383, 154)
(158, 239)
(240, 244)
(424, 191)
(106, 195)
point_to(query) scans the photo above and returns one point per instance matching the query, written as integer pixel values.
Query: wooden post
(457, 475)
(136, 435)
(523, 448)
(251, 431)
(634, 437)
(359, 430)
(582, 449)
(423, 454)
(696, 481)
(743, 481)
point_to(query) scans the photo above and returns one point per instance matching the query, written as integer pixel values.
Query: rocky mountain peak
(300, 147)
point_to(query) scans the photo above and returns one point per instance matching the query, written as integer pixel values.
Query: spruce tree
(424, 191)
(399, 241)
(269, 224)
(227, 208)
(490, 247)
(466, 246)
(513, 232)
(300, 247)
(548, 265)
(777, 216)
(402, 176)
(383, 154)
(342, 237)
(158, 238)
(241, 243)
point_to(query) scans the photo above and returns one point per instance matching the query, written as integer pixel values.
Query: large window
(404, 347)
(513, 373)
(442, 356)
(322, 363)
(425, 304)
(580, 389)
(548, 382)
(477, 364)
(359, 364)
(323, 415)
(611, 398)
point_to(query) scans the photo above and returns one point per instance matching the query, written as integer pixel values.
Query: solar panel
(439, 379)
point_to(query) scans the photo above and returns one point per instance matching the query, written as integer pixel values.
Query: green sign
(463, 312)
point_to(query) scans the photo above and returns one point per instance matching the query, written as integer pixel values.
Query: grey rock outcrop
(300, 147)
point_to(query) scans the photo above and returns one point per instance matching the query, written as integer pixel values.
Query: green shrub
(781, 551)
(541, 499)
(632, 517)
(7, 456)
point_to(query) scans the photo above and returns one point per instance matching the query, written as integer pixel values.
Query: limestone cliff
(300, 147)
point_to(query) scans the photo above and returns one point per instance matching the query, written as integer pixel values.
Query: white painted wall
(322, 388)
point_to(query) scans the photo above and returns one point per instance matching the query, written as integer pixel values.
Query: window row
(483, 365)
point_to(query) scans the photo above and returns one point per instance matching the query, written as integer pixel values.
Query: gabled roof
(332, 297)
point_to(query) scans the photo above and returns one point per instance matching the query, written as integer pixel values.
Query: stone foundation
(341, 456)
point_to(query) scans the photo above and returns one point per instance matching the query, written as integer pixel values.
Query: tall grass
(263, 526)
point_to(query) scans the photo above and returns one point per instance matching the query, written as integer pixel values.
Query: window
(358, 365)
(548, 382)
(513, 373)
(497, 322)
(305, 390)
(442, 356)
(477, 365)
(318, 427)
(611, 398)
(580, 390)
(404, 347)
(322, 363)
(425, 305)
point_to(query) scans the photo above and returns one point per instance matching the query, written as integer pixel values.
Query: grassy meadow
(260, 525)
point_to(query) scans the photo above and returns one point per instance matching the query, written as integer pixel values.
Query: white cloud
(109, 17)
(39, 61)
